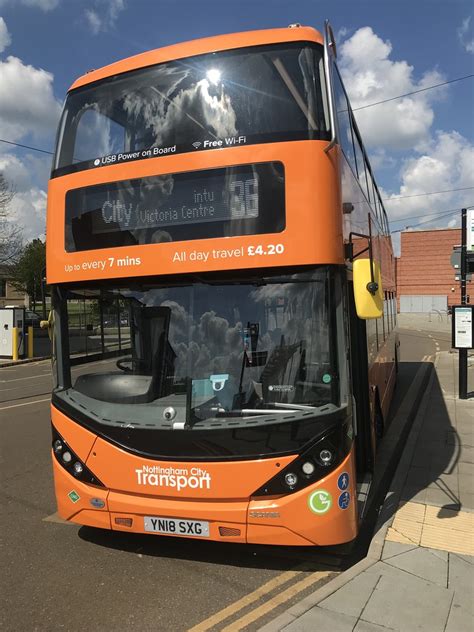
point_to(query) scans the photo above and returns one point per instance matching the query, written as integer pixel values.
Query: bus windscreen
(259, 356)
(232, 98)
(240, 200)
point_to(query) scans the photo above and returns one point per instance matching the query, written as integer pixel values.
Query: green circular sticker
(320, 501)
(327, 378)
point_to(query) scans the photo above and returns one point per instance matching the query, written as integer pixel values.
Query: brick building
(425, 276)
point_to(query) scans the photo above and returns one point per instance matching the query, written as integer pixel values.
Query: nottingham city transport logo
(174, 478)
(320, 501)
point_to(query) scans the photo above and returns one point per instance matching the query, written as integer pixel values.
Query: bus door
(360, 382)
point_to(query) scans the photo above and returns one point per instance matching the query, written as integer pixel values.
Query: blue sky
(419, 144)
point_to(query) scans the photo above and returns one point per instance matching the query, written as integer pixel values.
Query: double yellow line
(260, 593)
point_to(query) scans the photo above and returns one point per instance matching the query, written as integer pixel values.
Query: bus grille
(228, 531)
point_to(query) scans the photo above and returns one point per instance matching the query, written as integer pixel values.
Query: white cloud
(27, 108)
(434, 160)
(104, 15)
(20, 173)
(465, 35)
(5, 38)
(44, 5)
(29, 211)
(380, 159)
(444, 166)
(93, 20)
(370, 76)
(341, 33)
(15, 171)
(28, 208)
(27, 102)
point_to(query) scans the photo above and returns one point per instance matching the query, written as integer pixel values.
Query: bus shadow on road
(429, 460)
(282, 558)
(426, 445)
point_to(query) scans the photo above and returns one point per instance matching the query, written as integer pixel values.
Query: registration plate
(177, 526)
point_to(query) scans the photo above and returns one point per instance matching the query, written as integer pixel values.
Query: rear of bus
(194, 214)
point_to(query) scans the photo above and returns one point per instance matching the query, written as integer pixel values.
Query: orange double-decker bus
(216, 249)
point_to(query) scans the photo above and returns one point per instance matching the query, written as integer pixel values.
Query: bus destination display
(189, 201)
(175, 206)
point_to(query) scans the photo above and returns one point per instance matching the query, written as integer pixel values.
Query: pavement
(418, 574)
(5, 362)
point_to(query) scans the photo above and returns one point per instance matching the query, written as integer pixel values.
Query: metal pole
(102, 338)
(15, 344)
(43, 294)
(463, 352)
(30, 342)
(34, 292)
(118, 324)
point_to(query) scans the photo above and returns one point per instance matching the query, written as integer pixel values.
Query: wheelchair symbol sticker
(344, 500)
(343, 481)
(320, 502)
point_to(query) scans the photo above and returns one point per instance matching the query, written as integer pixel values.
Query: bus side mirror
(368, 293)
(48, 324)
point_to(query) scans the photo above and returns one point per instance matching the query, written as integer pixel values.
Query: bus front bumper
(315, 515)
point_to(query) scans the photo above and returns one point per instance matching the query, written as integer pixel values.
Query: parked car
(32, 319)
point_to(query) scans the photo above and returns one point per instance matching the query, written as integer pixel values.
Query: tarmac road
(60, 576)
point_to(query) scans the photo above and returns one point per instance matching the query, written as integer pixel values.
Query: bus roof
(199, 47)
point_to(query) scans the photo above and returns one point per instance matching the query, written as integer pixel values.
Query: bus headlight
(291, 479)
(71, 462)
(325, 457)
(316, 462)
(308, 468)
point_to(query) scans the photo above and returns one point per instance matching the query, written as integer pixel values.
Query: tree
(29, 270)
(11, 235)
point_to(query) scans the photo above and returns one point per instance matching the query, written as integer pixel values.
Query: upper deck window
(245, 96)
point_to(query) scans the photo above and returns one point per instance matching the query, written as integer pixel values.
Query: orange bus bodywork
(315, 233)
(199, 47)
(228, 505)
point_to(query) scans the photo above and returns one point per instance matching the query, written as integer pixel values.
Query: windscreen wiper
(279, 409)
(244, 412)
(297, 406)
